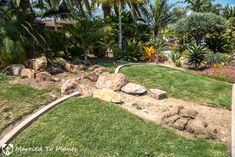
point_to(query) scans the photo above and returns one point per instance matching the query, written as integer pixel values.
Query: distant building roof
(51, 23)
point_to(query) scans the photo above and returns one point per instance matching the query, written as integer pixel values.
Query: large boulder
(14, 69)
(107, 95)
(197, 126)
(92, 76)
(157, 94)
(111, 81)
(69, 86)
(43, 76)
(133, 88)
(30, 73)
(84, 90)
(37, 64)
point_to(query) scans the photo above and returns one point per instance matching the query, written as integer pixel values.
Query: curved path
(16, 130)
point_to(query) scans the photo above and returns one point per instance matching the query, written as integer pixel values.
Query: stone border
(16, 130)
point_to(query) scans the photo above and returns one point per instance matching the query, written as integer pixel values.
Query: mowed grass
(17, 101)
(182, 85)
(97, 128)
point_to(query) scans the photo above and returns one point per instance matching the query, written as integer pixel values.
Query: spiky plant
(196, 55)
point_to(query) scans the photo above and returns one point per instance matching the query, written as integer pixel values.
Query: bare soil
(218, 119)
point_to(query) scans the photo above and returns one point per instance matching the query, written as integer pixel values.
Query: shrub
(196, 55)
(150, 52)
(215, 59)
(175, 57)
(198, 25)
(11, 52)
(219, 43)
(132, 51)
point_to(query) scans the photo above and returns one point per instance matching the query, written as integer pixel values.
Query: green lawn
(17, 101)
(97, 128)
(181, 84)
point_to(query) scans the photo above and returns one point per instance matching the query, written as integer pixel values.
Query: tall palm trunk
(26, 7)
(55, 23)
(106, 10)
(120, 25)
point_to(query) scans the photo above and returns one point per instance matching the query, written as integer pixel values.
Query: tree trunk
(85, 55)
(106, 10)
(120, 25)
(55, 23)
(27, 9)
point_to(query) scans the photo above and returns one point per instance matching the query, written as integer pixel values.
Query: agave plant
(196, 55)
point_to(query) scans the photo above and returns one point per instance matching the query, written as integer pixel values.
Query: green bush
(132, 51)
(175, 57)
(196, 55)
(198, 25)
(217, 58)
(219, 43)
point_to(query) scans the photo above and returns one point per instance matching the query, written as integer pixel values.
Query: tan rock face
(92, 76)
(111, 81)
(37, 63)
(84, 90)
(69, 86)
(30, 73)
(73, 68)
(43, 76)
(107, 95)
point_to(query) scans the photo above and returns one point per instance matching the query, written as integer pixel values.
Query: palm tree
(120, 4)
(160, 15)
(199, 5)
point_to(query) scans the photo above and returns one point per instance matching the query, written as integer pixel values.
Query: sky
(223, 2)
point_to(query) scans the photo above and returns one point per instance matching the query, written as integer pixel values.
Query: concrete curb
(233, 123)
(16, 130)
(129, 64)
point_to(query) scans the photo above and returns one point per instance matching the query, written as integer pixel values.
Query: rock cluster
(186, 119)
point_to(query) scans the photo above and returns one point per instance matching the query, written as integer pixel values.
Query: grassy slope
(18, 100)
(181, 84)
(97, 128)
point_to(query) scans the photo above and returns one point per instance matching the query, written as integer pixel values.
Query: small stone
(188, 113)
(133, 88)
(157, 94)
(55, 79)
(107, 95)
(30, 73)
(180, 123)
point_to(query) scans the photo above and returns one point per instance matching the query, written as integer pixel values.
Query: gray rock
(157, 94)
(14, 69)
(133, 88)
